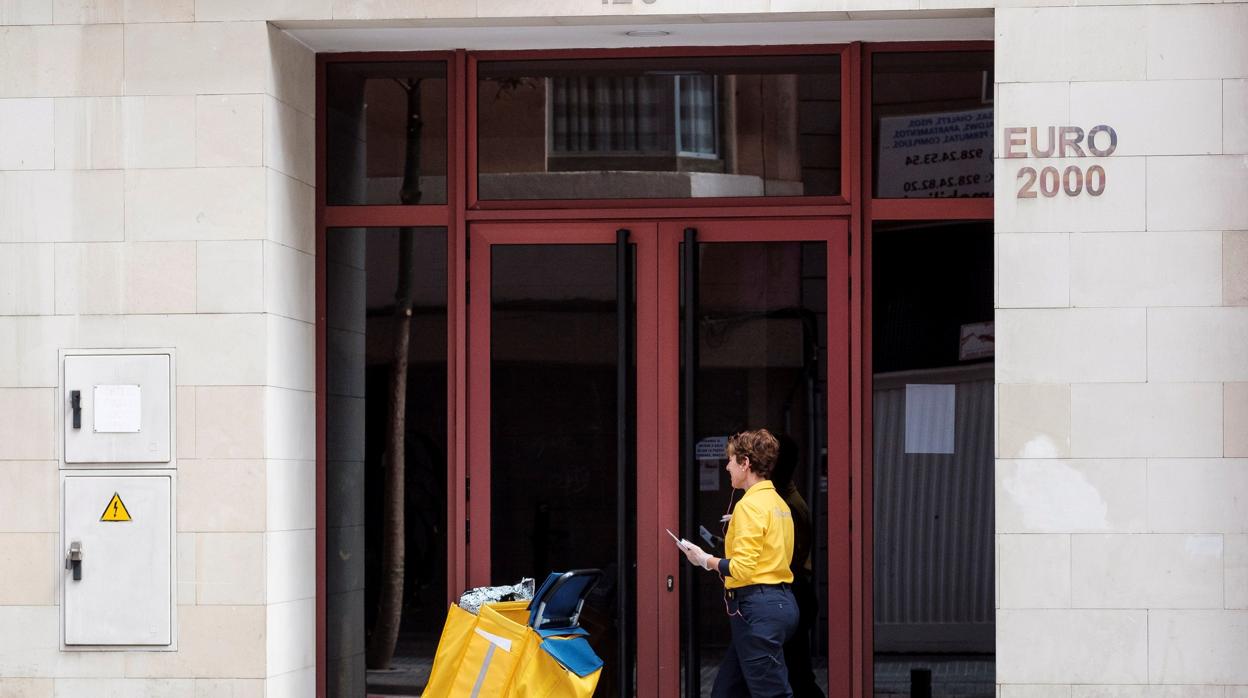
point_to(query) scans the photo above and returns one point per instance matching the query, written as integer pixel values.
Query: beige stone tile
(1070, 345)
(26, 140)
(35, 652)
(290, 495)
(229, 688)
(29, 344)
(87, 11)
(1211, 187)
(289, 282)
(25, 12)
(290, 557)
(195, 204)
(1144, 420)
(1197, 647)
(229, 130)
(1235, 116)
(229, 422)
(196, 58)
(1072, 42)
(293, 683)
(26, 688)
(1197, 41)
(1197, 495)
(1033, 420)
(289, 141)
(291, 212)
(230, 568)
(230, 276)
(1119, 208)
(1198, 344)
(290, 424)
(1154, 117)
(1235, 416)
(221, 495)
(382, 9)
(88, 133)
(28, 499)
(1071, 496)
(265, 10)
(186, 421)
(291, 351)
(212, 349)
(1078, 646)
(27, 418)
(159, 132)
(54, 206)
(1034, 691)
(1145, 269)
(1236, 552)
(292, 71)
(160, 277)
(1035, 571)
(1091, 691)
(125, 688)
(65, 61)
(26, 279)
(213, 641)
(30, 564)
(291, 641)
(1235, 268)
(140, 11)
(1146, 571)
(188, 554)
(90, 278)
(1033, 270)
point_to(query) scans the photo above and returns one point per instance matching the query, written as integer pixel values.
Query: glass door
(763, 339)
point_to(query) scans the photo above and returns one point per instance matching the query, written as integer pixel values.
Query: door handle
(73, 560)
(671, 583)
(75, 403)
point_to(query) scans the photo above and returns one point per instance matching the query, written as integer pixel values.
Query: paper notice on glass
(117, 409)
(708, 475)
(929, 418)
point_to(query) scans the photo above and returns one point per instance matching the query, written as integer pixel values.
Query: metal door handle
(75, 403)
(73, 560)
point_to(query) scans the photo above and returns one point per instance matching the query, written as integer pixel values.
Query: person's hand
(696, 555)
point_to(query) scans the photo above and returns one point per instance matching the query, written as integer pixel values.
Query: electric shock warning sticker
(116, 510)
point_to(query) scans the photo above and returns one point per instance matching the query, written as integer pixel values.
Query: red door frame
(855, 202)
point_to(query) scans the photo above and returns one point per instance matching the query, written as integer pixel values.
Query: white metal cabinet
(125, 593)
(123, 408)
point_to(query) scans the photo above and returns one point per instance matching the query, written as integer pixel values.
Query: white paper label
(117, 409)
(929, 418)
(708, 475)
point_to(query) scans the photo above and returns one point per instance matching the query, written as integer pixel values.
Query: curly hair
(760, 446)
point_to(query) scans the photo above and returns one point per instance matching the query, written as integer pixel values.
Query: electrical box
(117, 541)
(117, 408)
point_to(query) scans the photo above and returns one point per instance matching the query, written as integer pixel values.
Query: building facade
(985, 264)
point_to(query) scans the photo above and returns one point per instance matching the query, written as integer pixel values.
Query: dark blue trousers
(763, 618)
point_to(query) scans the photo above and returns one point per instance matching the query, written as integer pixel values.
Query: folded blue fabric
(573, 654)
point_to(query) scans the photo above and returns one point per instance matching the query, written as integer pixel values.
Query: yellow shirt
(759, 543)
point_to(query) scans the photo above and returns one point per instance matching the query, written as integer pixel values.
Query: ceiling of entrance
(609, 32)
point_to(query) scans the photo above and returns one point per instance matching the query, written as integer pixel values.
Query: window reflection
(659, 128)
(932, 124)
(386, 133)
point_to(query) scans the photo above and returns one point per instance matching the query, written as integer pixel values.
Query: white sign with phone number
(936, 155)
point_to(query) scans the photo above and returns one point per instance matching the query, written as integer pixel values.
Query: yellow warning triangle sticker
(116, 510)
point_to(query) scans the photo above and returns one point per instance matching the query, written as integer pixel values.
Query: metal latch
(73, 560)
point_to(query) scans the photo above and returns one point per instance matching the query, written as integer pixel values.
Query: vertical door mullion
(689, 349)
(624, 436)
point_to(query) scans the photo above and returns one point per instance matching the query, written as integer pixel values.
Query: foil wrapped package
(473, 599)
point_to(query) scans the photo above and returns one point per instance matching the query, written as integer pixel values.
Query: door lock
(73, 560)
(671, 583)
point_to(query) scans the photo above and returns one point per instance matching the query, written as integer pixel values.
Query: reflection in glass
(762, 362)
(664, 127)
(553, 425)
(386, 133)
(933, 510)
(932, 124)
(364, 283)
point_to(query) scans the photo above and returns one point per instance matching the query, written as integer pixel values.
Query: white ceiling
(610, 32)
